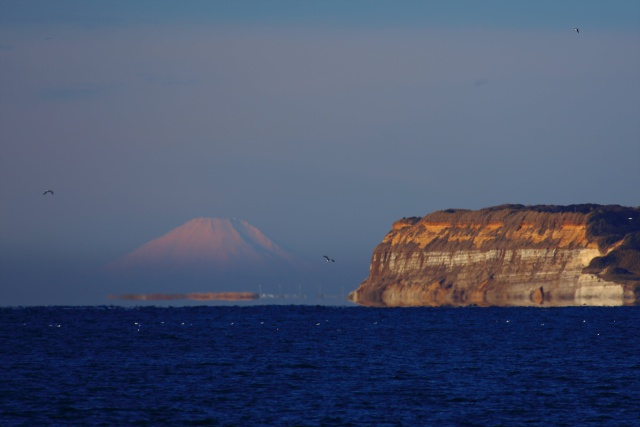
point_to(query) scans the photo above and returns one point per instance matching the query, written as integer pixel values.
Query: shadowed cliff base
(508, 255)
(197, 296)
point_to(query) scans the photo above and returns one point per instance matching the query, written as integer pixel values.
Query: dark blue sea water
(313, 365)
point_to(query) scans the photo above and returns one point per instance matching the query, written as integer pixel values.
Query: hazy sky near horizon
(319, 122)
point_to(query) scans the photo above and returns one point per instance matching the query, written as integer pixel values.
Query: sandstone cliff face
(508, 255)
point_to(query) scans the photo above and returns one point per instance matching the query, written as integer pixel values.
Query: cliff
(508, 255)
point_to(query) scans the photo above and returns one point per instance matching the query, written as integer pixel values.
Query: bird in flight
(577, 30)
(329, 259)
(46, 192)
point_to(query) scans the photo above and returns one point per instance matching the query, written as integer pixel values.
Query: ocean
(278, 365)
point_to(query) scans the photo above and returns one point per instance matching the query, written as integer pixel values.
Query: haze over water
(320, 123)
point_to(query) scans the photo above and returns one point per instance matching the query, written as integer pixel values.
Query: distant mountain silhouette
(213, 253)
(206, 243)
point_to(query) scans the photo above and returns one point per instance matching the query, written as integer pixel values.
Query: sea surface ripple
(317, 365)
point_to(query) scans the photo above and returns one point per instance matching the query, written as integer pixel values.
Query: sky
(318, 122)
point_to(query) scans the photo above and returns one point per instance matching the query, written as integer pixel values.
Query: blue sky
(320, 123)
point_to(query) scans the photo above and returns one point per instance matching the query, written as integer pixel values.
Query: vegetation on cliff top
(606, 224)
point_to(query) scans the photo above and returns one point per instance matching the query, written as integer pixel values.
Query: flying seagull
(577, 30)
(329, 259)
(48, 191)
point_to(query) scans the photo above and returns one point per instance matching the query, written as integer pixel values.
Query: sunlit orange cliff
(508, 255)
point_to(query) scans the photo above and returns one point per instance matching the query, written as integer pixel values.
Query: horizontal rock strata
(508, 255)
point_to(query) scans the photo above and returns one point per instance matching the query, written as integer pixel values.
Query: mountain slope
(207, 255)
(206, 243)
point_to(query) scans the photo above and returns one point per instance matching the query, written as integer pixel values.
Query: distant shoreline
(198, 296)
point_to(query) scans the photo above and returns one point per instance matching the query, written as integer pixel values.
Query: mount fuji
(208, 253)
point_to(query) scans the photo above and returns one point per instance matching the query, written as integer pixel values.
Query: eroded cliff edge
(508, 255)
